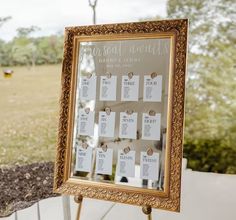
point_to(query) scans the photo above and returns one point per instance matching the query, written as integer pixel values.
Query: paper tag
(83, 159)
(128, 125)
(88, 88)
(108, 88)
(106, 124)
(149, 166)
(104, 161)
(152, 89)
(151, 127)
(130, 88)
(86, 123)
(126, 164)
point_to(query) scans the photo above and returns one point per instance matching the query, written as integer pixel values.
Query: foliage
(24, 32)
(31, 51)
(4, 20)
(210, 133)
(210, 155)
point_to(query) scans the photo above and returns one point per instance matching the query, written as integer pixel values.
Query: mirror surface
(101, 64)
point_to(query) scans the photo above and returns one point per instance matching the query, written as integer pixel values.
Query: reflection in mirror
(121, 112)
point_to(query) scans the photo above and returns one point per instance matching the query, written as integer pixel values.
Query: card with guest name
(106, 124)
(86, 122)
(130, 88)
(149, 166)
(126, 164)
(84, 159)
(151, 126)
(104, 161)
(108, 88)
(88, 88)
(152, 89)
(128, 125)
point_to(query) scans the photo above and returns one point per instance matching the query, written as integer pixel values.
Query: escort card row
(129, 90)
(149, 164)
(151, 124)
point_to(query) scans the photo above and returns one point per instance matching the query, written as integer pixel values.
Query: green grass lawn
(29, 104)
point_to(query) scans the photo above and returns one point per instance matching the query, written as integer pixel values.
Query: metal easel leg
(79, 200)
(147, 210)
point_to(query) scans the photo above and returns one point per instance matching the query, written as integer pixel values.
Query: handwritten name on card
(128, 125)
(149, 166)
(126, 164)
(88, 88)
(83, 159)
(152, 89)
(108, 88)
(151, 127)
(104, 161)
(130, 88)
(86, 123)
(106, 124)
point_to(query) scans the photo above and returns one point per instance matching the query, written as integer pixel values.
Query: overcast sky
(53, 15)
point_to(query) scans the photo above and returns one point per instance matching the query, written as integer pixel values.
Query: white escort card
(104, 161)
(128, 125)
(130, 88)
(88, 88)
(151, 127)
(149, 166)
(108, 88)
(83, 159)
(86, 122)
(126, 164)
(152, 89)
(106, 124)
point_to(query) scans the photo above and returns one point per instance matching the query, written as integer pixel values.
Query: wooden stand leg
(147, 210)
(79, 200)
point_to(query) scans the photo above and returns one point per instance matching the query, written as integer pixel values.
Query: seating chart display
(121, 120)
(122, 103)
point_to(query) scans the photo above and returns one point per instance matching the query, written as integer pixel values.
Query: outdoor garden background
(29, 100)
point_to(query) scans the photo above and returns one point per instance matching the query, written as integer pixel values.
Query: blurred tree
(50, 49)
(2, 43)
(211, 84)
(24, 32)
(24, 49)
(4, 20)
(6, 58)
(25, 54)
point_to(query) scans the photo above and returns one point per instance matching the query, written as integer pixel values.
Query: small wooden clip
(152, 113)
(149, 151)
(87, 110)
(130, 75)
(84, 145)
(108, 74)
(108, 110)
(153, 75)
(129, 112)
(126, 150)
(104, 147)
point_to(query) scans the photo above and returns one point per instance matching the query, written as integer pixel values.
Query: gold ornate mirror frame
(169, 198)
